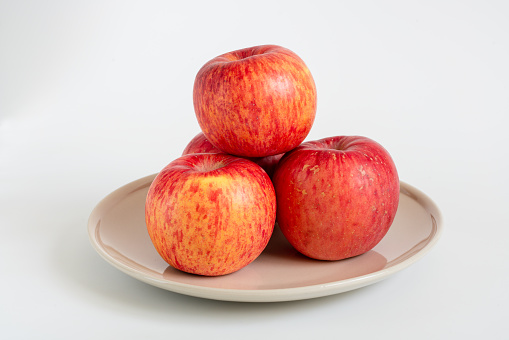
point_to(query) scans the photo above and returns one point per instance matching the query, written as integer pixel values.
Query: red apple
(337, 197)
(200, 144)
(268, 163)
(255, 102)
(210, 214)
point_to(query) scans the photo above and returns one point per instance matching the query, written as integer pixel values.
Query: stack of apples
(213, 210)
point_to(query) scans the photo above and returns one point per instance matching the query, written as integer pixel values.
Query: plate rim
(265, 295)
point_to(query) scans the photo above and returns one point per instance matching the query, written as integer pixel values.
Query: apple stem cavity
(208, 166)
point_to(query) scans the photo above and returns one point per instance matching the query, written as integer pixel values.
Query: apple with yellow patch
(255, 102)
(337, 197)
(210, 214)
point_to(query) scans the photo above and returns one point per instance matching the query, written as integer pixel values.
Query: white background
(96, 94)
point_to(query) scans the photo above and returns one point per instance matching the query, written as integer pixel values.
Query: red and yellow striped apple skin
(337, 197)
(210, 214)
(200, 144)
(255, 102)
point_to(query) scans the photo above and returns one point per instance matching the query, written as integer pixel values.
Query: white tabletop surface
(96, 94)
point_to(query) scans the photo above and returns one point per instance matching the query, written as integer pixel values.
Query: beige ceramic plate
(118, 232)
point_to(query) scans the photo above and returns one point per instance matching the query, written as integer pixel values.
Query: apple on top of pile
(212, 211)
